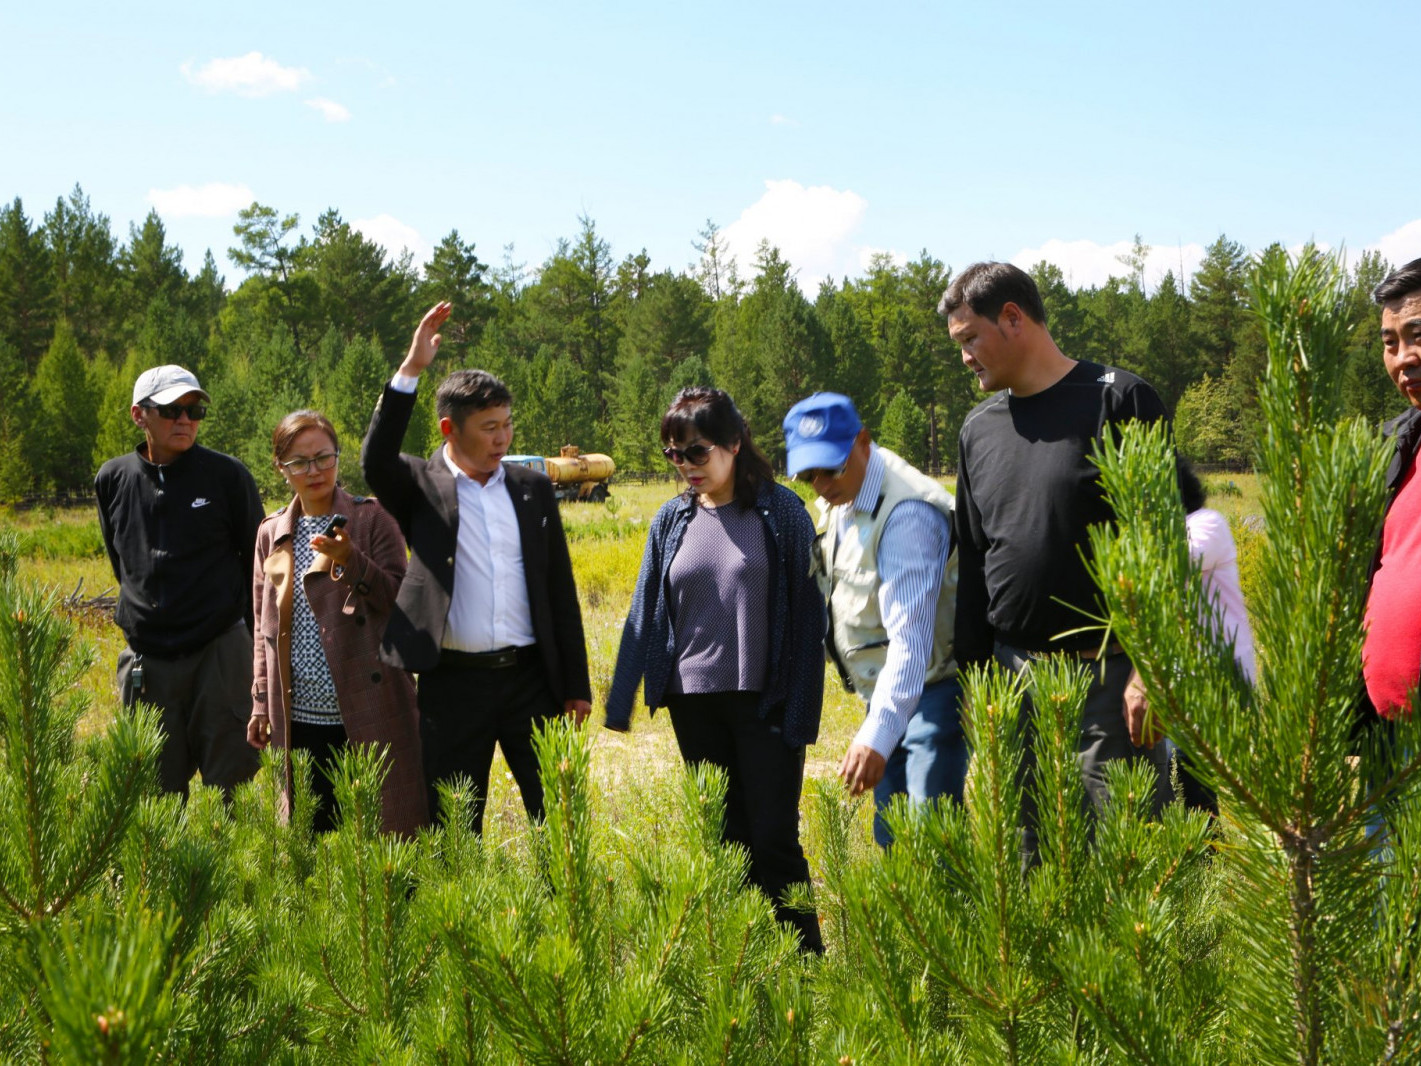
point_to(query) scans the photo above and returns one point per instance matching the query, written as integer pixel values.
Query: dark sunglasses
(696, 454)
(196, 411)
(814, 473)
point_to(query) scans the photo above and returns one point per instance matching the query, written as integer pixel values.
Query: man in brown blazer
(487, 615)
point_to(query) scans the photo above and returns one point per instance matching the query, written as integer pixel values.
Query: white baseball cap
(164, 384)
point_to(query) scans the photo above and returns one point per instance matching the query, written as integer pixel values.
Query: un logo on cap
(811, 426)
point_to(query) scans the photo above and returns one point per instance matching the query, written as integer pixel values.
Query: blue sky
(972, 130)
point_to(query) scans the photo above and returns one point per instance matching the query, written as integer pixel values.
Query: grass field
(64, 549)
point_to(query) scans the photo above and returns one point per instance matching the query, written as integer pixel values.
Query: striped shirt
(912, 554)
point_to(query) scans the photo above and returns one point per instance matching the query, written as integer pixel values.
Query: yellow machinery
(574, 476)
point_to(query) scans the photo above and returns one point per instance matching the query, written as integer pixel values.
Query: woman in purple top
(727, 629)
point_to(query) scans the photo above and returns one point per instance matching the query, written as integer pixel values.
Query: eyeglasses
(196, 411)
(696, 454)
(814, 473)
(302, 465)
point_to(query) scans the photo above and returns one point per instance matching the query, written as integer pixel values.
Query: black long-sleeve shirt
(1026, 493)
(181, 539)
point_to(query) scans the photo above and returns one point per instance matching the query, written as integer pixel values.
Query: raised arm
(385, 471)
(424, 346)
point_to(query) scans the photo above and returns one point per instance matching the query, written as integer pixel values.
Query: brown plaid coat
(377, 702)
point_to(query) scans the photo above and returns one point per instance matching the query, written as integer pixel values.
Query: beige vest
(848, 575)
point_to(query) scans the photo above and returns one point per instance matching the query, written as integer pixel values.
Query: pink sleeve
(1210, 541)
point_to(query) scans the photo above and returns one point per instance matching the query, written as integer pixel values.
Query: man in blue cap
(889, 574)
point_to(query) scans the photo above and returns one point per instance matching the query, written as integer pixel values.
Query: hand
(425, 344)
(258, 731)
(1137, 719)
(861, 769)
(577, 710)
(337, 546)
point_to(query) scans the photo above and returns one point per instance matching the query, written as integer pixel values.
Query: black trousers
(204, 699)
(1104, 738)
(1197, 795)
(464, 712)
(765, 776)
(323, 742)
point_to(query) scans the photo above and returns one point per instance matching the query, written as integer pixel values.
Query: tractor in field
(574, 476)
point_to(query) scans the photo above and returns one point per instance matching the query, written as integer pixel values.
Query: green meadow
(62, 547)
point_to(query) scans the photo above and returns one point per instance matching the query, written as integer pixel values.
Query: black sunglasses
(696, 454)
(196, 411)
(814, 473)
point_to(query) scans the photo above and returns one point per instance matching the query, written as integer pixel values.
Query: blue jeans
(931, 759)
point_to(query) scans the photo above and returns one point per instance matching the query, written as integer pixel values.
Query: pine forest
(135, 928)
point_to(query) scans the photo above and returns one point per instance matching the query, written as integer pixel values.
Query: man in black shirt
(180, 524)
(1026, 494)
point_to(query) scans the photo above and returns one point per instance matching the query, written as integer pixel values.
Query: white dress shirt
(489, 608)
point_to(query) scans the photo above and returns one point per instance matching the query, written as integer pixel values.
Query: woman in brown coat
(318, 682)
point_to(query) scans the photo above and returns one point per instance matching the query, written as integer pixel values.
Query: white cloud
(250, 75)
(1087, 263)
(811, 226)
(216, 199)
(782, 120)
(1400, 246)
(332, 111)
(395, 236)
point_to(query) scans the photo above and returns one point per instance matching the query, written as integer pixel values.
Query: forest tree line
(592, 346)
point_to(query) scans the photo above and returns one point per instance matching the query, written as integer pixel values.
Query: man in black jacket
(180, 525)
(487, 615)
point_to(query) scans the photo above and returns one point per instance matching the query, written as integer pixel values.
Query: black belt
(1088, 654)
(501, 659)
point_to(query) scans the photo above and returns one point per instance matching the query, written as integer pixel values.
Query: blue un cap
(820, 432)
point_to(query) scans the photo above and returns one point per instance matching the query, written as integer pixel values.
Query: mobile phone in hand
(338, 521)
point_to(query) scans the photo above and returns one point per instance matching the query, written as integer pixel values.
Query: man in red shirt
(1391, 654)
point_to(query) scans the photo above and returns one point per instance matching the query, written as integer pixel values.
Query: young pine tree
(64, 807)
(1321, 938)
